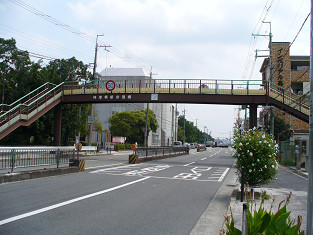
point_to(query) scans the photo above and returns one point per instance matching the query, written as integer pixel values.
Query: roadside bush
(262, 222)
(256, 153)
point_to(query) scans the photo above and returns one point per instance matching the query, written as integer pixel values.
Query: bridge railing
(23, 157)
(185, 86)
(192, 86)
(285, 96)
(31, 106)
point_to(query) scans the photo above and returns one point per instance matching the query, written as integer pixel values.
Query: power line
(70, 29)
(293, 40)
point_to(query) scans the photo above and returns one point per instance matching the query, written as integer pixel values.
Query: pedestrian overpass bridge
(253, 93)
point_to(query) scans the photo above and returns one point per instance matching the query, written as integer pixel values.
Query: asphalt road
(112, 197)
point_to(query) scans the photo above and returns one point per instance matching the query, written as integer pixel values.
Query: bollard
(79, 163)
(133, 158)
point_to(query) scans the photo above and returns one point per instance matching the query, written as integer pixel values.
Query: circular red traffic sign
(110, 85)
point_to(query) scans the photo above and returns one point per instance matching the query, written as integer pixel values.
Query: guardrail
(17, 157)
(154, 152)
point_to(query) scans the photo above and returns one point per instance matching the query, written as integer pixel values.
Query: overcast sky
(178, 38)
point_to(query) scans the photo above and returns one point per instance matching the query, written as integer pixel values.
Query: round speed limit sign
(110, 85)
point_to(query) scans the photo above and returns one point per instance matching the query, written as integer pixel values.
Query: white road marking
(203, 159)
(95, 167)
(116, 168)
(189, 163)
(223, 175)
(48, 208)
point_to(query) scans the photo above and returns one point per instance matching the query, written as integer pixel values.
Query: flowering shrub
(256, 154)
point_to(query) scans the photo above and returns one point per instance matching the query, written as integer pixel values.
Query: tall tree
(131, 124)
(19, 76)
(192, 133)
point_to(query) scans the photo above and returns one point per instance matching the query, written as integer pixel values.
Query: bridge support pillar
(253, 117)
(57, 125)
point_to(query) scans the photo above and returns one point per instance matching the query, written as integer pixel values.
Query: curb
(27, 175)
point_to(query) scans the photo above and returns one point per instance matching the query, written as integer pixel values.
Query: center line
(189, 163)
(48, 208)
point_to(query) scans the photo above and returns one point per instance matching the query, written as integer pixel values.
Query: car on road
(177, 143)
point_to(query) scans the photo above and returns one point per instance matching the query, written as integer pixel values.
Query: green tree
(23, 76)
(131, 123)
(281, 129)
(192, 133)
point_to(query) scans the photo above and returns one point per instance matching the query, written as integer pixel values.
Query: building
(165, 113)
(293, 74)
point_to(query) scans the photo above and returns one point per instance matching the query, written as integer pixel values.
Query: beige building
(293, 74)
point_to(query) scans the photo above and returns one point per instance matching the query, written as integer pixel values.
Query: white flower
(250, 170)
(265, 166)
(273, 166)
(258, 160)
(252, 164)
(240, 144)
(251, 154)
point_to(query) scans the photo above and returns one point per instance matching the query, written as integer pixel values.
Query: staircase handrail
(8, 106)
(22, 107)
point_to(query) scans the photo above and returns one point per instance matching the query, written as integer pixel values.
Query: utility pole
(93, 78)
(309, 229)
(184, 126)
(145, 141)
(271, 70)
(176, 113)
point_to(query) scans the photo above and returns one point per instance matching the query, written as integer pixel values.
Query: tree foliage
(23, 76)
(192, 133)
(131, 123)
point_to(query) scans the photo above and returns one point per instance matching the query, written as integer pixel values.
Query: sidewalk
(297, 204)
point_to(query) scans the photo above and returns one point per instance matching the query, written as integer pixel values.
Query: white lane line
(48, 208)
(95, 167)
(116, 168)
(189, 163)
(203, 159)
(223, 175)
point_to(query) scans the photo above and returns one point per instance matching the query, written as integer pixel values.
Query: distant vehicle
(177, 143)
(187, 145)
(220, 144)
(209, 143)
(193, 145)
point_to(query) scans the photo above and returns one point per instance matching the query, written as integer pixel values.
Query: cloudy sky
(178, 38)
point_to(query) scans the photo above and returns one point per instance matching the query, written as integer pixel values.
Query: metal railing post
(169, 86)
(216, 86)
(12, 160)
(57, 157)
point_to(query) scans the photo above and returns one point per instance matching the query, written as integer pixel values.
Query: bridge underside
(252, 100)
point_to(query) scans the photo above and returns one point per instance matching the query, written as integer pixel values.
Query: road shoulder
(213, 218)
